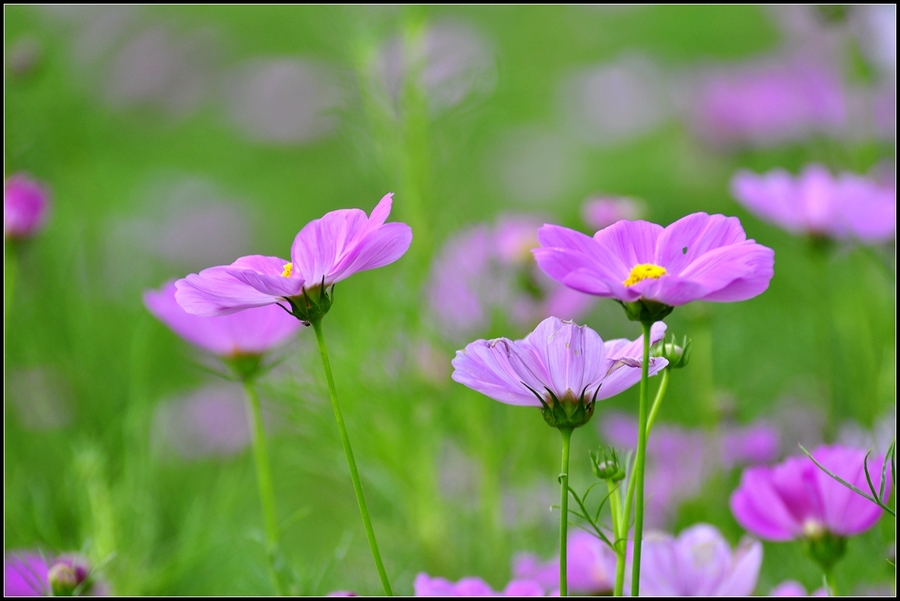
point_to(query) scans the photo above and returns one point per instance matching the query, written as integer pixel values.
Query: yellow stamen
(288, 268)
(643, 272)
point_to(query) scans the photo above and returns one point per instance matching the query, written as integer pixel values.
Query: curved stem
(354, 473)
(660, 395)
(639, 462)
(264, 481)
(564, 514)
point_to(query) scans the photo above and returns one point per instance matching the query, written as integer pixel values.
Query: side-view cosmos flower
(699, 257)
(326, 251)
(26, 203)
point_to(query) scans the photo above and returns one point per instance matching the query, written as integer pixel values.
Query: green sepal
(569, 412)
(646, 311)
(825, 548)
(606, 465)
(313, 304)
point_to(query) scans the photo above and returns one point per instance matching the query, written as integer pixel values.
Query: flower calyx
(823, 547)
(313, 304)
(646, 311)
(570, 411)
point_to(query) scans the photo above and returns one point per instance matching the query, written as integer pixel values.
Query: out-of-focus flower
(535, 166)
(482, 270)
(699, 257)
(426, 586)
(283, 101)
(797, 500)
(250, 332)
(875, 27)
(792, 588)
(748, 445)
(208, 422)
(561, 367)
(24, 55)
(26, 203)
(452, 60)
(599, 212)
(590, 568)
(879, 438)
(326, 251)
(818, 204)
(698, 563)
(29, 574)
(616, 101)
(42, 398)
(767, 103)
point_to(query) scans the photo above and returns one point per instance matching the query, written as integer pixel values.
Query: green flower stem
(354, 473)
(660, 394)
(639, 463)
(830, 582)
(264, 481)
(620, 531)
(823, 327)
(564, 513)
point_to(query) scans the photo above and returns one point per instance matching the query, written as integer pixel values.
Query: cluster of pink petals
(697, 563)
(567, 359)
(426, 586)
(705, 257)
(26, 203)
(817, 203)
(250, 332)
(796, 499)
(590, 567)
(326, 251)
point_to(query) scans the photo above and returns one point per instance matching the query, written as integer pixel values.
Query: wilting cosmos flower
(590, 569)
(326, 251)
(250, 332)
(426, 586)
(699, 562)
(25, 206)
(483, 269)
(699, 257)
(29, 574)
(797, 500)
(561, 367)
(816, 203)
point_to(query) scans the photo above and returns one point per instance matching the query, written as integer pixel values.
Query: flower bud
(824, 548)
(677, 355)
(606, 465)
(67, 575)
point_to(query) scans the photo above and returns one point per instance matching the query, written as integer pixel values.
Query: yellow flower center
(643, 272)
(288, 268)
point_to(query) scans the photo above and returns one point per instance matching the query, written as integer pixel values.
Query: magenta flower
(426, 586)
(26, 203)
(29, 574)
(603, 211)
(561, 367)
(792, 588)
(699, 257)
(699, 562)
(818, 204)
(590, 567)
(250, 332)
(326, 251)
(484, 270)
(796, 500)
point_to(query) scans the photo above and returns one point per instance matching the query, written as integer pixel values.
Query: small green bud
(606, 465)
(677, 355)
(66, 576)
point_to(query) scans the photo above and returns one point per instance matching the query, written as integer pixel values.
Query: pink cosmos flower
(699, 257)
(26, 203)
(250, 332)
(590, 567)
(699, 562)
(483, 269)
(795, 499)
(426, 586)
(29, 574)
(816, 203)
(326, 251)
(564, 363)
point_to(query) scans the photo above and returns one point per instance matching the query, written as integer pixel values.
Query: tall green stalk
(264, 482)
(564, 511)
(354, 473)
(639, 463)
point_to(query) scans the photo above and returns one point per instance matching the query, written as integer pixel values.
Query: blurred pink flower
(590, 569)
(792, 588)
(29, 574)
(698, 563)
(816, 203)
(427, 586)
(485, 269)
(795, 499)
(599, 212)
(26, 203)
(326, 251)
(767, 103)
(250, 332)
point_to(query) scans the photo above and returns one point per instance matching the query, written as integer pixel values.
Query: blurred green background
(176, 138)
